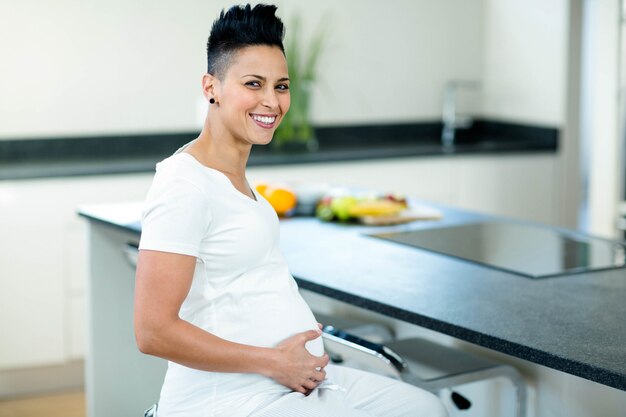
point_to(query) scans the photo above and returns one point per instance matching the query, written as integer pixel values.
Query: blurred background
(90, 91)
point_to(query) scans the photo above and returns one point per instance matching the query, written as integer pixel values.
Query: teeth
(264, 119)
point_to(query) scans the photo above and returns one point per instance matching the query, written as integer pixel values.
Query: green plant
(302, 62)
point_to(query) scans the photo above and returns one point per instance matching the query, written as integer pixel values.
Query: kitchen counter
(71, 167)
(573, 323)
(64, 157)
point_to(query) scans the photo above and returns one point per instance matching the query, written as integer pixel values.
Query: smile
(264, 121)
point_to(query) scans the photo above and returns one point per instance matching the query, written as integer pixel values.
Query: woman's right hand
(295, 367)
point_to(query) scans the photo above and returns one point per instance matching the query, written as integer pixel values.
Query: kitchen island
(573, 323)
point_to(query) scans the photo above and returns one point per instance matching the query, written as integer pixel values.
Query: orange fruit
(261, 188)
(282, 199)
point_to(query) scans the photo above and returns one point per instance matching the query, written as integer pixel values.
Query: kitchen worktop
(70, 167)
(124, 154)
(573, 323)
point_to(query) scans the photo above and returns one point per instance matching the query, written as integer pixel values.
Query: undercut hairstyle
(240, 27)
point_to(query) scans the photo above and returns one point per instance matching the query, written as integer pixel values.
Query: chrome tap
(452, 120)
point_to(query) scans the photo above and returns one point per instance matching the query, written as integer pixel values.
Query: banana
(376, 208)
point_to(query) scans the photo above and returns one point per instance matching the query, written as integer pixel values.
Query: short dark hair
(239, 27)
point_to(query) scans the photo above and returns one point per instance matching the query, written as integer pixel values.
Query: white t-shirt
(242, 290)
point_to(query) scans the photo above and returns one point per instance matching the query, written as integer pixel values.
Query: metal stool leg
(520, 389)
(504, 371)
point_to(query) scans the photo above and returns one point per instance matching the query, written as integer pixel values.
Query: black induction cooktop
(530, 251)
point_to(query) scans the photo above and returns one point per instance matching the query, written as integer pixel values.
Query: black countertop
(573, 323)
(66, 157)
(146, 164)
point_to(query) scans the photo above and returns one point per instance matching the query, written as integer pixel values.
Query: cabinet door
(31, 278)
(119, 380)
(43, 265)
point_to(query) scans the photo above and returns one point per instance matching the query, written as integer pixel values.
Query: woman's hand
(295, 367)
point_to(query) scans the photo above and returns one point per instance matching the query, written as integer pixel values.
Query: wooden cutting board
(409, 215)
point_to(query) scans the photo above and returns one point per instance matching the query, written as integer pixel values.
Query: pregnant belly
(267, 322)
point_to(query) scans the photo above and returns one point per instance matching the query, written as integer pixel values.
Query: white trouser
(357, 394)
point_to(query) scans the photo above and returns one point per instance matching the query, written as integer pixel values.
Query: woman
(213, 293)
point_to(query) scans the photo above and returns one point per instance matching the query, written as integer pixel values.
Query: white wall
(525, 57)
(86, 67)
(73, 67)
(602, 156)
(389, 61)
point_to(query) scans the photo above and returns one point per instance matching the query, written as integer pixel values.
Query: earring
(212, 100)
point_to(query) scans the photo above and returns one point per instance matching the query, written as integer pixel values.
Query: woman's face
(254, 96)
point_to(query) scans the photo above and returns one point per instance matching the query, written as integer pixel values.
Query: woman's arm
(162, 282)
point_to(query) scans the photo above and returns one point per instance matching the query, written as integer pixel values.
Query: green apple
(324, 212)
(341, 207)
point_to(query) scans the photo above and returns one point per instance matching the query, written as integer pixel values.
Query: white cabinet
(31, 282)
(119, 379)
(43, 264)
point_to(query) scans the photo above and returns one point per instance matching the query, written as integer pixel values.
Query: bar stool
(423, 363)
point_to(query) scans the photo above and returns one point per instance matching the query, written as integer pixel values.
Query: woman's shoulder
(176, 177)
(178, 164)
(183, 166)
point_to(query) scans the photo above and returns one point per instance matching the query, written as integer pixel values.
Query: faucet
(452, 120)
